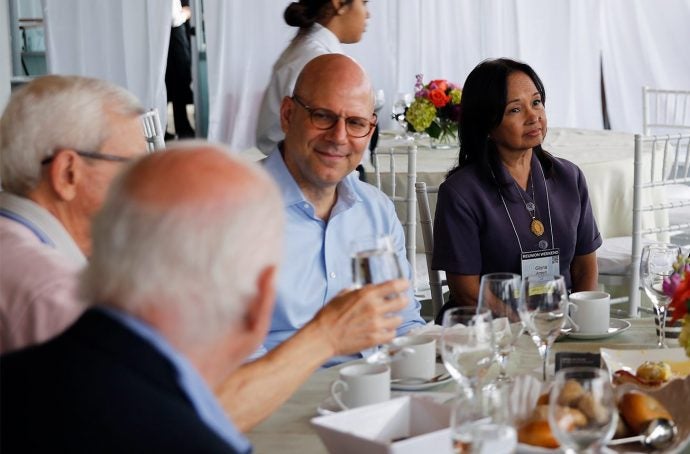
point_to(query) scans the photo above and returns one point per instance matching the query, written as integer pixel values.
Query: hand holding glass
(374, 261)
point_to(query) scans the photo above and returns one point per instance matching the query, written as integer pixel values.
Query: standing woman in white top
(323, 26)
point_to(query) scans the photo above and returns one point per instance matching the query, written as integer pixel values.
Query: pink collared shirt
(38, 282)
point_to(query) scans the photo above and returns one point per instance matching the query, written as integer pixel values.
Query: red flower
(441, 84)
(438, 97)
(681, 298)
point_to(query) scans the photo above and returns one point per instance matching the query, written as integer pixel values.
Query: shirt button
(305, 206)
(332, 275)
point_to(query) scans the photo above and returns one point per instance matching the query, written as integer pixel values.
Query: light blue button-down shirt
(316, 259)
(189, 380)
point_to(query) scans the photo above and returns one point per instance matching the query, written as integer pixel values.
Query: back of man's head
(51, 113)
(186, 233)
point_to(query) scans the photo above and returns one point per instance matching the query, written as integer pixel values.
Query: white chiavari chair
(153, 130)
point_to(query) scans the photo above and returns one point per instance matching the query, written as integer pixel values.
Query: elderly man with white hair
(62, 140)
(182, 284)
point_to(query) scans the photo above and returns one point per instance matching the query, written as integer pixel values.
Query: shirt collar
(189, 380)
(326, 37)
(292, 194)
(41, 219)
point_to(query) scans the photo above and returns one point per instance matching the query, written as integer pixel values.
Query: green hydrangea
(420, 114)
(455, 95)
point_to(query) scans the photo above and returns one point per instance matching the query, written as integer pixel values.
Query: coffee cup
(361, 384)
(420, 360)
(590, 312)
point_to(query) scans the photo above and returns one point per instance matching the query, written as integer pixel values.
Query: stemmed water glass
(400, 104)
(656, 263)
(543, 309)
(467, 346)
(374, 261)
(589, 390)
(500, 293)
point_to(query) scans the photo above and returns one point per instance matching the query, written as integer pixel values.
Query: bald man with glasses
(327, 122)
(62, 141)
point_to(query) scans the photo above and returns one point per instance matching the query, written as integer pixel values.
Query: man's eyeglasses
(92, 155)
(325, 119)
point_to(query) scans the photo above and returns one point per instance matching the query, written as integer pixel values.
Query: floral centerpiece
(435, 110)
(677, 286)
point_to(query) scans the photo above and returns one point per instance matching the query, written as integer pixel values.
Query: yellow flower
(420, 114)
(455, 95)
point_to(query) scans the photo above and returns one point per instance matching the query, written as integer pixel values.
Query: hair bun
(297, 15)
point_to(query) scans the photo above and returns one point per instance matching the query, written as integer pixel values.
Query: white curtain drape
(645, 43)
(125, 42)
(565, 41)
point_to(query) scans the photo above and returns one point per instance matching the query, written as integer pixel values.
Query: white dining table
(289, 430)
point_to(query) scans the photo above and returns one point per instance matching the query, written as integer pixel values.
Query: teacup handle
(571, 306)
(334, 388)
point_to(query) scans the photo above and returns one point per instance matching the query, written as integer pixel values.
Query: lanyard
(548, 208)
(45, 239)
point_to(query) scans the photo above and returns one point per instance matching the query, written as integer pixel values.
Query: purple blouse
(473, 234)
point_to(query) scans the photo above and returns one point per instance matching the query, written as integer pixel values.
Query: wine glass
(374, 261)
(543, 306)
(656, 263)
(587, 390)
(481, 424)
(400, 104)
(500, 293)
(467, 346)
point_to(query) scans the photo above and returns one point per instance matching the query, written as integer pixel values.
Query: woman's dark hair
(305, 13)
(483, 102)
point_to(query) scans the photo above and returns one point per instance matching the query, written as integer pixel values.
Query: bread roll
(537, 433)
(638, 409)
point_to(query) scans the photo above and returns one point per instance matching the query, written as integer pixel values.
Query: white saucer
(616, 326)
(440, 369)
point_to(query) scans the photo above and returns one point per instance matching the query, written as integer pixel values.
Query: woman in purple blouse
(509, 205)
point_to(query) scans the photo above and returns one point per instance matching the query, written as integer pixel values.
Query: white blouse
(301, 50)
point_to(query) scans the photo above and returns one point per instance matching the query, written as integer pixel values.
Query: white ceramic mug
(362, 384)
(421, 360)
(590, 312)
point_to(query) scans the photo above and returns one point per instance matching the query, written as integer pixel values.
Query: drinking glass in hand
(500, 293)
(656, 263)
(542, 307)
(467, 346)
(374, 261)
(582, 409)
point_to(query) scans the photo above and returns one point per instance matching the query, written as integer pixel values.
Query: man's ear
(65, 172)
(260, 309)
(286, 109)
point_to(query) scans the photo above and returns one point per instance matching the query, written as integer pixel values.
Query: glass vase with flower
(435, 111)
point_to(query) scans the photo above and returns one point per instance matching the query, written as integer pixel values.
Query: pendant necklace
(536, 226)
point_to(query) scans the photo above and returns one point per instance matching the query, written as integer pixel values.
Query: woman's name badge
(541, 263)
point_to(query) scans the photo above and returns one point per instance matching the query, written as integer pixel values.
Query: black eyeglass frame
(91, 155)
(311, 111)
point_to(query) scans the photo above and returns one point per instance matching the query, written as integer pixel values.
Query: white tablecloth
(288, 430)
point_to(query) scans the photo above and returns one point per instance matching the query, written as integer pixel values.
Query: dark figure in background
(178, 73)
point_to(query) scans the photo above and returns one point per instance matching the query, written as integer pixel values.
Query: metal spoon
(420, 381)
(659, 434)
